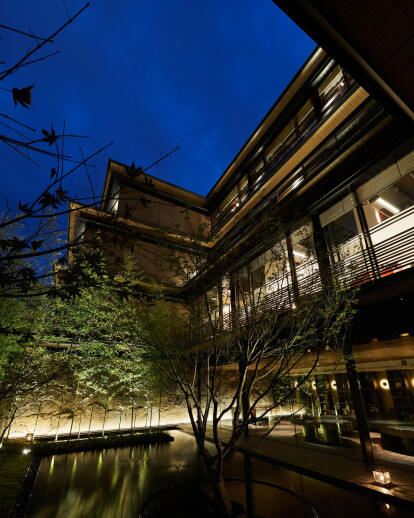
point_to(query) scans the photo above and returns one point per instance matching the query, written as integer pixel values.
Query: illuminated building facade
(338, 169)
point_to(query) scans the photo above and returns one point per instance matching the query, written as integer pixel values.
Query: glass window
(243, 288)
(114, 197)
(292, 183)
(303, 251)
(390, 202)
(306, 265)
(243, 189)
(341, 230)
(258, 277)
(306, 118)
(283, 144)
(257, 175)
(331, 88)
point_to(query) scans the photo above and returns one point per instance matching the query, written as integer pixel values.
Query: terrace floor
(339, 465)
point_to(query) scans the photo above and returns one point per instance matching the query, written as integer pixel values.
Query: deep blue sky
(147, 74)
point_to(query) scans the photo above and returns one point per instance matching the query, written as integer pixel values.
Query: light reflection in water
(115, 484)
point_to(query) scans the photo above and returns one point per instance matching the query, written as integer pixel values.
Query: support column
(357, 399)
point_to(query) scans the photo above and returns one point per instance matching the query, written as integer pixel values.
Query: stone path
(285, 432)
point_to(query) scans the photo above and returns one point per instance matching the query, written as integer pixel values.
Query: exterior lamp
(382, 477)
(314, 385)
(384, 384)
(26, 451)
(29, 437)
(333, 384)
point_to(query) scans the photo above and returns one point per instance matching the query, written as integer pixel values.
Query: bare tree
(231, 348)
(32, 250)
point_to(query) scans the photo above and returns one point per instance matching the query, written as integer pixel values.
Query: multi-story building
(338, 169)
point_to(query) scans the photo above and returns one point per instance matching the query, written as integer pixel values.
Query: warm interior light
(382, 477)
(297, 182)
(314, 385)
(388, 206)
(384, 384)
(299, 254)
(29, 437)
(333, 384)
(377, 215)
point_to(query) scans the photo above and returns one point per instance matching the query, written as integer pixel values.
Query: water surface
(115, 483)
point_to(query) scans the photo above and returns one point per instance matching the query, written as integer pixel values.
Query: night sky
(147, 75)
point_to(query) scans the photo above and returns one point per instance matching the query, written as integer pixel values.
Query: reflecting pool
(116, 483)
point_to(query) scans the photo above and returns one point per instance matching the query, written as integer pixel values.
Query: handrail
(352, 264)
(278, 158)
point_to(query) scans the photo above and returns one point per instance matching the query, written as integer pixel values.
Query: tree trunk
(221, 496)
(80, 420)
(60, 413)
(90, 421)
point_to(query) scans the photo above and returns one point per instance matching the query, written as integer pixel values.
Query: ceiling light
(388, 206)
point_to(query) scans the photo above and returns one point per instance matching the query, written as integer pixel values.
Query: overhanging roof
(372, 39)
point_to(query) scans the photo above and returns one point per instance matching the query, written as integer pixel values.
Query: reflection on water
(115, 483)
(110, 483)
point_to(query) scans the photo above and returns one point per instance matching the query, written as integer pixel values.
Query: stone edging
(20, 505)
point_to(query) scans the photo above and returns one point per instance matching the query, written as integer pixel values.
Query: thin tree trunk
(159, 410)
(37, 419)
(90, 421)
(120, 416)
(74, 411)
(106, 408)
(11, 421)
(60, 413)
(80, 419)
(221, 496)
(7, 428)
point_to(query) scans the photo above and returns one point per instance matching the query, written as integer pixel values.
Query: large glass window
(258, 277)
(390, 202)
(257, 175)
(305, 118)
(332, 88)
(283, 144)
(390, 218)
(346, 245)
(306, 266)
(114, 196)
(341, 231)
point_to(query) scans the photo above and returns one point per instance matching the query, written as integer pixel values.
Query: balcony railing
(282, 152)
(387, 250)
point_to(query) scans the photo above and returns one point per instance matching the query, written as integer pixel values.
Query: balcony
(386, 250)
(295, 133)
